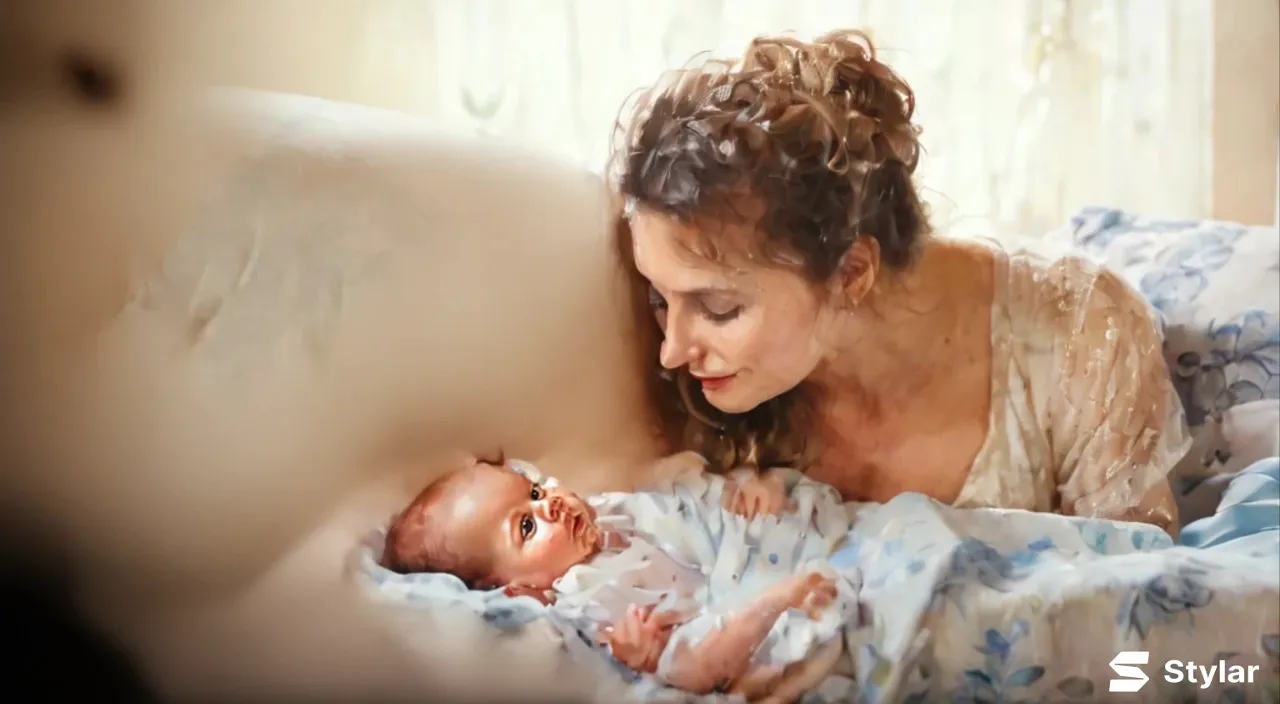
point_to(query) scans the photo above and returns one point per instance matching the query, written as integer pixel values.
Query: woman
(803, 314)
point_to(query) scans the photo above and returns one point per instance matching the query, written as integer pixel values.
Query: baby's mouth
(582, 528)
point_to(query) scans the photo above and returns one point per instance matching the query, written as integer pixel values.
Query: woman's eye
(526, 527)
(721, 314)
(536, 493)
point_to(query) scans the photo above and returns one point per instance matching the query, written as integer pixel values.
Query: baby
(676, 582)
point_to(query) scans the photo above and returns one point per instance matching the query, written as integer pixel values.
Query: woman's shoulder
(1038, 285)
(1047, 287)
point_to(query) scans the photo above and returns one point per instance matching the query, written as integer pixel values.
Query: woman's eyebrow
(703, 291)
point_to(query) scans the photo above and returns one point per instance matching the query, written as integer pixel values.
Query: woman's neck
(905, 333)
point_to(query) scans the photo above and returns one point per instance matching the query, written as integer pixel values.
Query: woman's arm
(1116, 424)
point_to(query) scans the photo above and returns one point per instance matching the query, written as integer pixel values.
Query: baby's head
(491, 526)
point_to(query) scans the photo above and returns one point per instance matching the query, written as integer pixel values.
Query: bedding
(992, 605)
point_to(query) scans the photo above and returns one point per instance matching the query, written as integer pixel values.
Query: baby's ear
(516, 589)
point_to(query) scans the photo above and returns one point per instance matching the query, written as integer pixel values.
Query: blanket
(1004, 606)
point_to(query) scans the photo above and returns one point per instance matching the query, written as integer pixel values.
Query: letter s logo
(1123, 664)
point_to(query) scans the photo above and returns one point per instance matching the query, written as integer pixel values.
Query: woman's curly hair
(819, 136)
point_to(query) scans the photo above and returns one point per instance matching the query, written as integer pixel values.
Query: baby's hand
(757, 495)
(813, 594)
(810, 592)
(543, 596)
(638, 641)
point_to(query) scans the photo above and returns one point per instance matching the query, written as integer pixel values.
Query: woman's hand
(756, 495)
(639, 639)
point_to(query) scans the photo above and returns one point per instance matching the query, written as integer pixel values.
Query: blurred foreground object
(241, 327)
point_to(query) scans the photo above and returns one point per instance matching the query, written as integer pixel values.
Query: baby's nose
(555, 508)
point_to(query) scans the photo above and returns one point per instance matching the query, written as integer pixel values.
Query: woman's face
(748, 332)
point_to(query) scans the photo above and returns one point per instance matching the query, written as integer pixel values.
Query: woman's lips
(714, 383)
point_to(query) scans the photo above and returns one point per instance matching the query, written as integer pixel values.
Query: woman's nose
(677, 348)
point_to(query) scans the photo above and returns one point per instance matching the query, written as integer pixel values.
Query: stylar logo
(1123, 663)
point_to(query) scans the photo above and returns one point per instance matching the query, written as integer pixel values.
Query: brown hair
(418, 541)
(817, 133)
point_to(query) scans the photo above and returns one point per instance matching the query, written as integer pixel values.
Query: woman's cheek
(737, 339)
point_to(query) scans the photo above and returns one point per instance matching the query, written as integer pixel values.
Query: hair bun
(863, 101)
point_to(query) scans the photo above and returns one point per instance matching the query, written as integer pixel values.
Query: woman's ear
(859, 268)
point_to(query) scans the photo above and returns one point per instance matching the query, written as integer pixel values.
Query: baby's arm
(724, 655)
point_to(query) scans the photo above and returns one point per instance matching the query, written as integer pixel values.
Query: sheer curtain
(1029, 109)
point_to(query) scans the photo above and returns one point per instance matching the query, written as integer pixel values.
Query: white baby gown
(683, 551)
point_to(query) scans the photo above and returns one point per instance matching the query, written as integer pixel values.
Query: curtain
(1029, 110)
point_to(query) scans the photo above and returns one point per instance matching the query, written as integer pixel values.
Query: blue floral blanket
(1008, 606)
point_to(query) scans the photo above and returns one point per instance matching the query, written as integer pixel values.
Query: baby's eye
(526, 527)
(536, 493)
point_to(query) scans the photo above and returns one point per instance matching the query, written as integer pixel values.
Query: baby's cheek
(536, 555)
(557, 551)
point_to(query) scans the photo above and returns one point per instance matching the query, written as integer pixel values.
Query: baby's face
(531, 534)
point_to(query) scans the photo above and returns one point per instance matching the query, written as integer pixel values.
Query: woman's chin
(730, 402)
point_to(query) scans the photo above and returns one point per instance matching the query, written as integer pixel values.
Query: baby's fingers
(626, 631)
(818, 601)
(654, 655)
(666, 619)
(730, 500)
(640, 613)
(823, 595)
